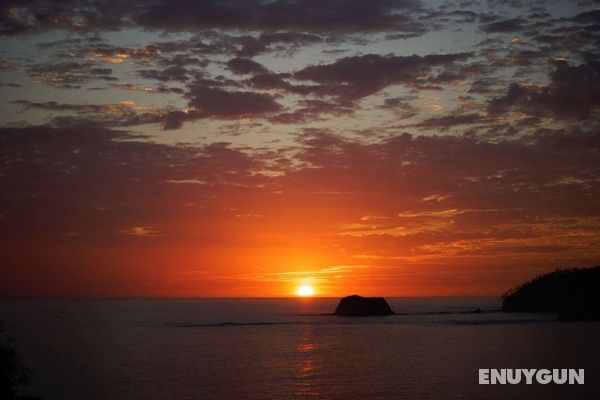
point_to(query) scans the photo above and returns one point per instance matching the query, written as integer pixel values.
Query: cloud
(6, 66)
(69, 74)
(122, 114)
(506, 25)
(592, 16)
(242, 66)
(360, 76)
(180, 15)
(215, 102)
(97, 181)
(173, 73)
(326, 16)
(32, 16)
(10, 84)
(289, 38)
(147, 89)
(308, 110)
(444, 200)
(204, 102)
(473, 182)
(573, 92)
(118, 55)
(141, 231)
(449, 121)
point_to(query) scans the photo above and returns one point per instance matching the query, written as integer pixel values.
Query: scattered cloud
(142, 231)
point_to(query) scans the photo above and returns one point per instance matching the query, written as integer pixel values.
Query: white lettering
(576, 375)
(513, 376)
(543, 376)
(559, 376)
(528, 375)
(498, 377)
(484, 376)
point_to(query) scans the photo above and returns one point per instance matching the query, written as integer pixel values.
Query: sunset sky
(247, 147)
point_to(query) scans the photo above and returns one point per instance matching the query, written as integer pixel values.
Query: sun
(305, 291)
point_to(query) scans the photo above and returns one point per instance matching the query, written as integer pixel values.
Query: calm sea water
(286, 349)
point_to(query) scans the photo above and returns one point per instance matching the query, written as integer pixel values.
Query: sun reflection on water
(307, 365)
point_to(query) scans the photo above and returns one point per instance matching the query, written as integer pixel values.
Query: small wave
(502, 322)
(340, 321)
(225, 324)
(475, 311)
(396, 319)
(413, 314)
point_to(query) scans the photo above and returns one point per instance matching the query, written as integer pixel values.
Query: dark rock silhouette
(358, 306)
(13, 374)
(573, 294)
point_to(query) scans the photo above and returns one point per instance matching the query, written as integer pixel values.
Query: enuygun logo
(529, 376)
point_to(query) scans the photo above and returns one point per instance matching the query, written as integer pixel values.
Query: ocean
(233, 349)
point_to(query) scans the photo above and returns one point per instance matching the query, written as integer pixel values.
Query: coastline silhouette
(13, 373)
(573, 294)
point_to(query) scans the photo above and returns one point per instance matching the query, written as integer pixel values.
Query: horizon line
(4, 298)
